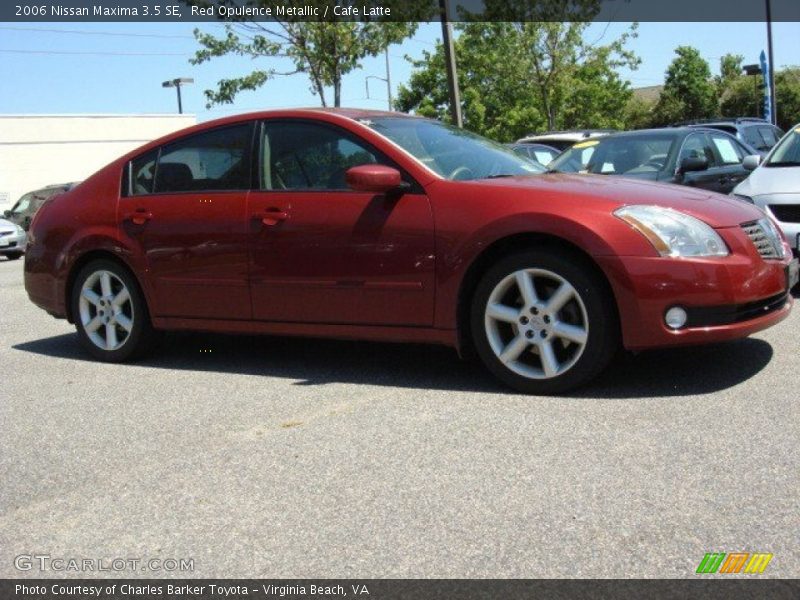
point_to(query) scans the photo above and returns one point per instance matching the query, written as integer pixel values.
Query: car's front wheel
(543, 322)
(110, 313)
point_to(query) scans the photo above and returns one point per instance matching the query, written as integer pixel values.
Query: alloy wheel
(106, 310)
(536, 323)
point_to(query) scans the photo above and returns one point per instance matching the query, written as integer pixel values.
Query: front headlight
(673, 233)
(20, 230)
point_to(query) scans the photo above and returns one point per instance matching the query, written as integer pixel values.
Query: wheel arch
(506, 246)
(83, 260)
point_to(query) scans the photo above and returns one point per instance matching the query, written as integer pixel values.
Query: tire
(544, 341)
(14, 255)
(110, 313)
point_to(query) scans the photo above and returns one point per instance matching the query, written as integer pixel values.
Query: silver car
(12, 239)
(774, 185)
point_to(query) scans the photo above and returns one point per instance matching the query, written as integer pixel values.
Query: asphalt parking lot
(273, 457)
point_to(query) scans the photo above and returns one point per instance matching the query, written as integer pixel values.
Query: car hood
(771, 180)
(6, 226)
(715, 209)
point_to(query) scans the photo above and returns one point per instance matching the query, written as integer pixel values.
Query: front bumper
(13, 243)
(726, 298)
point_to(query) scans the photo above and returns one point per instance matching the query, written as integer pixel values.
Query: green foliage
(324, 51)
(638, 113)
(688, 89)
(520, 77)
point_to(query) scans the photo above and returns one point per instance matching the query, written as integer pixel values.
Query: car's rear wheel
(110, 312)
(543, 322)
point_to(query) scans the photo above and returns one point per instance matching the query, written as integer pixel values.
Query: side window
(752, 136)
(769, 136)
(697, 146)
(212, 161)
(143, 172)
(309, 156)
(728, 150)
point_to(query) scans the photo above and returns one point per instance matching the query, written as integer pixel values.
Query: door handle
(139, 217)
(271, 216)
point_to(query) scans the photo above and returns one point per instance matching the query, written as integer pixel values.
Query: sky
(57, 68)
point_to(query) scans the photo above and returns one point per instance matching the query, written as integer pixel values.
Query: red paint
(365, 264)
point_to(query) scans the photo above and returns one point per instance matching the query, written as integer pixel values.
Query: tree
(638, 113)
(688, 89)
(325, 51)
(744, 96)
(730, 71)
(524, 76)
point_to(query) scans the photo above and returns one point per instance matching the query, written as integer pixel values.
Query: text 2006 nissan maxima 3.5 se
(370, 225)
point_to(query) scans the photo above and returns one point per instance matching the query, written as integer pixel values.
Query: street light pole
(177, 83)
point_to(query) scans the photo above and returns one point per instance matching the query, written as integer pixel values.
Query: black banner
(397, 10)
(396, 589)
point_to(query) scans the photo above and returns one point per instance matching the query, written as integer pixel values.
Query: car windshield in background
(453, 153)
(787, 154)
(625, 155)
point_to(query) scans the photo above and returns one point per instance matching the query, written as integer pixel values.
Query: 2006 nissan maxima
(381, 226)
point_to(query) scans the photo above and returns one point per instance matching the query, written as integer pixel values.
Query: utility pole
(771, 67)
(389, 81)
(450, 61)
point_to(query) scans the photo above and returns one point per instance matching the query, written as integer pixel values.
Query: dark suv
(759, 134)
(22, 212)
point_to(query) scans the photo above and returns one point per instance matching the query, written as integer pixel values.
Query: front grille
(711, 316)
(762, 241)
(6, 233)
(787, 213)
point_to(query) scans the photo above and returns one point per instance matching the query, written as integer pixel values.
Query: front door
(323, 253)
(185, 216)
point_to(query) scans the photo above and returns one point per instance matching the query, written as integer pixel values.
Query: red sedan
(381, 226)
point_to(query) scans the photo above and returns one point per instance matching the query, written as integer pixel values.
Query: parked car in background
(23, 210)
(541, 153)
(703, 158)
(561, 140)
(383, 226)
(774, 186)
(12, 240)
(757, 133)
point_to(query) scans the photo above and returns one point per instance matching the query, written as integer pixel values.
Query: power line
(88, 32)
(79, 53)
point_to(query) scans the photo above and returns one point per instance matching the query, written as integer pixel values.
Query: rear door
(184, 214)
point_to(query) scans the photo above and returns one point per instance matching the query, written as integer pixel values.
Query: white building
(39, 150)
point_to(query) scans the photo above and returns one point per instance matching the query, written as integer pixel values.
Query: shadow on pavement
(674, 372)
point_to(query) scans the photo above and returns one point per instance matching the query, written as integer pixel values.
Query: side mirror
(7, 213)
(751, 162)
(26, 223)
(373, 178)
(693, 163)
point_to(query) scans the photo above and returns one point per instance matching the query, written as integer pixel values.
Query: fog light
(675, 317)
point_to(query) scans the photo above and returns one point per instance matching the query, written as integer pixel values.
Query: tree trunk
(337, 92)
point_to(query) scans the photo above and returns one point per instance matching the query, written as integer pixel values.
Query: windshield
(453, 153)
(787, 152)
(626, 155)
